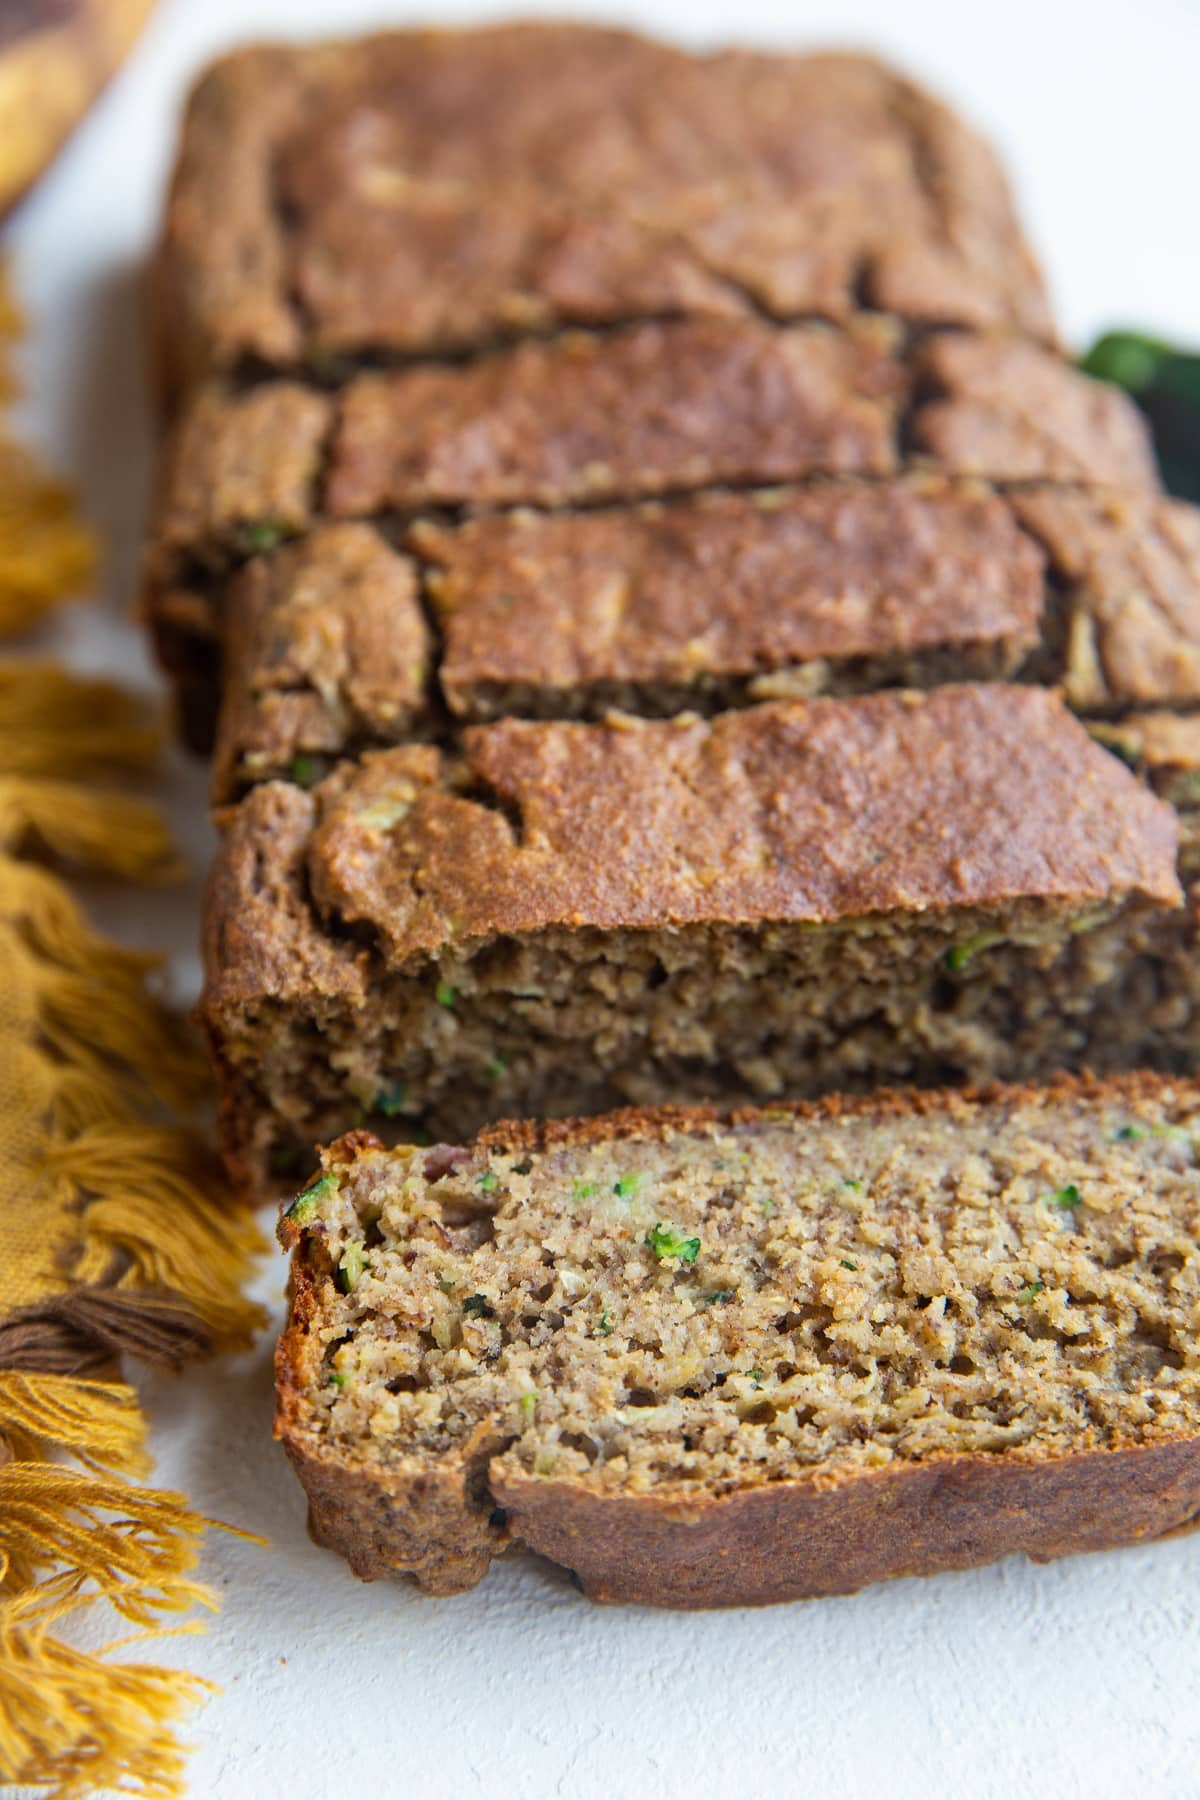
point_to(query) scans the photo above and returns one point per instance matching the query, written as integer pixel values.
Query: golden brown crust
(533, 1136)
(798, 1540)
(650, 409)
(965, 796)
(646, 410)
(258, 932)
(689, 595)
(418, 191)
(838, 588)
(703, 603)
(1007, 410)
(217, 279)
(425, 1519)
(654, 409)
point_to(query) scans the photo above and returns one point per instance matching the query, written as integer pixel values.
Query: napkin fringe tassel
(117, 1228)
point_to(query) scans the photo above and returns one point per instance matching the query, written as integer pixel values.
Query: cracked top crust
(1006, 409)
(705, 602)
(641, 412)
(424, 191)
(724, 584)
(655, 409)
(967, 796)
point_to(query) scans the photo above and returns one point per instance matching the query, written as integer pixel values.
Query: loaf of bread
(422, 192)
(781, 900)
(706, 1360)
(564, 266)
(629, 514)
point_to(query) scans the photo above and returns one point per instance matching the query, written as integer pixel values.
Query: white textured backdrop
(1079, 1679)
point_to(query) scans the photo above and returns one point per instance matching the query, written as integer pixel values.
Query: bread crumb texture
(645, 1306)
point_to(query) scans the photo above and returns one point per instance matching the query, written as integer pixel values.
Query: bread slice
(699, 604)
(657, 408)
(588, 419)
(720, 599)
(788, 899)
(709, 1360)
(418, 192)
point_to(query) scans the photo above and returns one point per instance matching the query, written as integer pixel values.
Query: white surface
(1078, 1679)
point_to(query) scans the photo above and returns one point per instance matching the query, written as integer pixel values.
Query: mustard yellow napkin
(117, 1234)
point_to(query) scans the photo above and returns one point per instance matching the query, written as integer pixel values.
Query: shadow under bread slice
(786, 899)
(705, 1359)
(340, 641)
